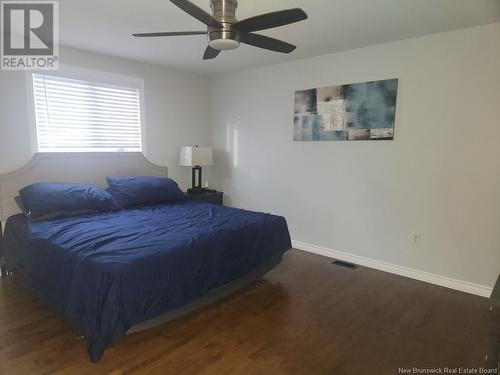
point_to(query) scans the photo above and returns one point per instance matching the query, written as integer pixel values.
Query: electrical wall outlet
(416, 239)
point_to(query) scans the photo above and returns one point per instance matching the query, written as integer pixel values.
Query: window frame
(73, 72)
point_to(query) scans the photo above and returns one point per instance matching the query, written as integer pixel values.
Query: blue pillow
(136, 191)
(46, 201)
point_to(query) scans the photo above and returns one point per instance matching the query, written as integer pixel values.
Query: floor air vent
(345, 264)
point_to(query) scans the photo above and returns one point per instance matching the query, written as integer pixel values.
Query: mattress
(108, 272)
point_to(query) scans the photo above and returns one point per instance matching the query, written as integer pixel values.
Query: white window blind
(81, 116)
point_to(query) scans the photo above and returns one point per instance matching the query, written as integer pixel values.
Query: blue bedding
(109, 271)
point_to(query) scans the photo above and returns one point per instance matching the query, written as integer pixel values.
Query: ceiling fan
(225, 32)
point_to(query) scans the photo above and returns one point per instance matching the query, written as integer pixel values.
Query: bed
(115, 272)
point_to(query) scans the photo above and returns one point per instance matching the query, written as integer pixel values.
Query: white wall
(440, 177)
(176, 110)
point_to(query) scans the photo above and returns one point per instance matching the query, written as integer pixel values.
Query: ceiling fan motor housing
(227, 38)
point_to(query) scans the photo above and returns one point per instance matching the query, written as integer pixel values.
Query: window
(73, 115)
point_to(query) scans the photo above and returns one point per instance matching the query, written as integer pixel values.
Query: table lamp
(196, 157)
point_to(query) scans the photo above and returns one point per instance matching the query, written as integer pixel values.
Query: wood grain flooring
(305, 317)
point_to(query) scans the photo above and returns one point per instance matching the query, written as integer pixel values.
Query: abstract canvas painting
(355, 112)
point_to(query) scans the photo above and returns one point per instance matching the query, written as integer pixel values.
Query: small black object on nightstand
(207, 196)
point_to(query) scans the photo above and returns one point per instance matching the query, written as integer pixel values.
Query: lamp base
(200, 191)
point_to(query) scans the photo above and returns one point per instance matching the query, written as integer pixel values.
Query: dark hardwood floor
(306, 317)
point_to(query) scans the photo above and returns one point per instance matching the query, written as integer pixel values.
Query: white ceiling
(106, 26)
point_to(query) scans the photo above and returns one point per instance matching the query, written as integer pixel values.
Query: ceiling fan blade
(197, 13)
(270, 20)
(175, 33)
(266, 42)
(210, 53)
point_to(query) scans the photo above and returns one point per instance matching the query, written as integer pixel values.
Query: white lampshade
(196, 156)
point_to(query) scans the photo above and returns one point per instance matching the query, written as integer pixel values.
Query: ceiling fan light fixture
(223, 39)
(224, 44)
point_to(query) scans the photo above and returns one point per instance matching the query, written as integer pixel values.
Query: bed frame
(93, 168)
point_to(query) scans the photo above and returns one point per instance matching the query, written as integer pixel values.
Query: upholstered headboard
(89, 168)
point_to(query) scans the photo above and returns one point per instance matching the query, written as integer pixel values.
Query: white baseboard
(412, 273)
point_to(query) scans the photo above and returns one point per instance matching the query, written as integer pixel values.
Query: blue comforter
(107, 272)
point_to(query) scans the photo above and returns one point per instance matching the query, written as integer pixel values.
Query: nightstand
(212, 196)
(493, 355)
(3, 269)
